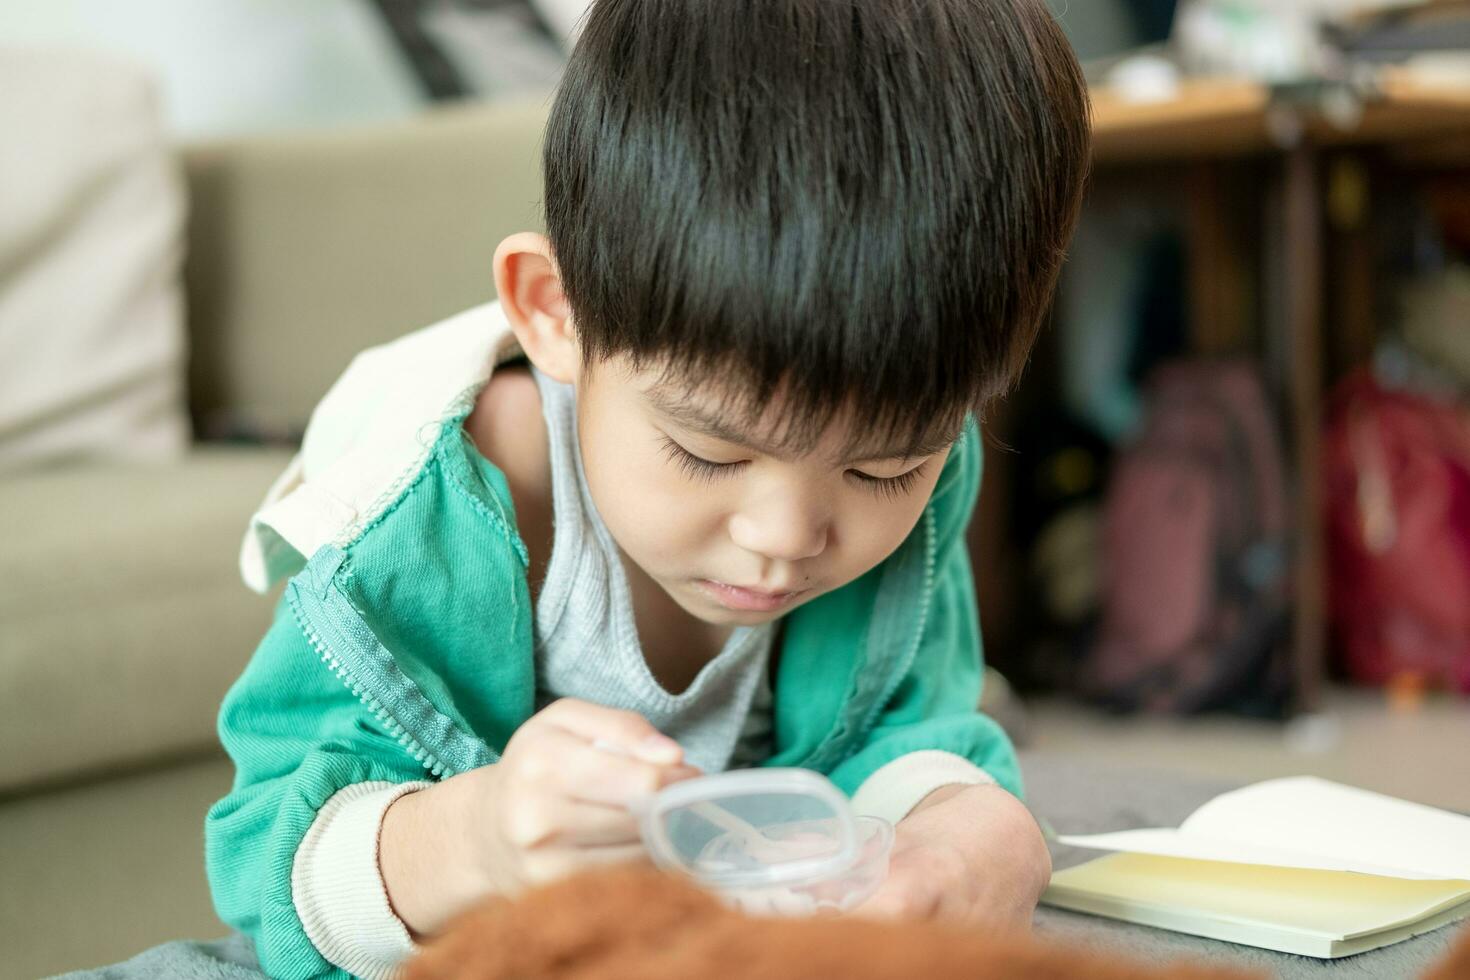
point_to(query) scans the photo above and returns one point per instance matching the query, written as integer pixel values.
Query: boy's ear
(529, 284)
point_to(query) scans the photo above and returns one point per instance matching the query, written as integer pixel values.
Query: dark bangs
(855, 203)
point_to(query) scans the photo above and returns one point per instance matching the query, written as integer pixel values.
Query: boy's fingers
(566, 823)
(883, 908)
(563, 765)
(625, 731)
(560, 864)
(626, 854)
(592, 825)
(900, 897)
(593, 776)
(879, 906)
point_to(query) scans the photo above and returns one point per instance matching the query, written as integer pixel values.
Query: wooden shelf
(1211, 117)
(1225, 118)
(1218, 123)
(1409, 111)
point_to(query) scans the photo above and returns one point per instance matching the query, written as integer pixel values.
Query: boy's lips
(747, 600)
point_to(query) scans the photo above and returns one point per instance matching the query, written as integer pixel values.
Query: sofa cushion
(91, 226)
(96, 873)
(123, 619)
(306, 248)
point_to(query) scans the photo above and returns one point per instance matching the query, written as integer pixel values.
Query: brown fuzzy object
(633, 923)
(1457, 965)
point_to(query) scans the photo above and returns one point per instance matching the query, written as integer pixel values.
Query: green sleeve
(935, 705)
(297, 736)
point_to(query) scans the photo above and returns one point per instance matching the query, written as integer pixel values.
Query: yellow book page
(1331, 904)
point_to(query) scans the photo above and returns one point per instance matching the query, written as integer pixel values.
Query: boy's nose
(781, 530)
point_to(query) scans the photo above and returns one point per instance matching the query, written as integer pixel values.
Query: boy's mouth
(747, 600)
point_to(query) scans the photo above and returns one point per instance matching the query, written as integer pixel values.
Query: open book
(1300, 865)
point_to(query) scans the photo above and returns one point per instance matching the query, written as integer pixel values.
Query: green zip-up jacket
(402, 647)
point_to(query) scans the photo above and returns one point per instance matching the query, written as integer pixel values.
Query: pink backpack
(1194, 552)
(1397, 481)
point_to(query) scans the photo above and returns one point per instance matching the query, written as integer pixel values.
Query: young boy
(691, 495)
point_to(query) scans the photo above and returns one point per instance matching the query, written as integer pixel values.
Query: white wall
(231, 66)
(1096, 28)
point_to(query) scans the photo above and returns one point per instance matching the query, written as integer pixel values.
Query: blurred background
(1225, 527)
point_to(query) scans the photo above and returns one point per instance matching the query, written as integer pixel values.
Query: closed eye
(889, 487)
(707, 470)
(697, 467)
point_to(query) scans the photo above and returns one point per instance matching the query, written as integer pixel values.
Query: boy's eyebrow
(692, 416)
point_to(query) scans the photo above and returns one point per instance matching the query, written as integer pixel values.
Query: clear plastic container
(770, 841)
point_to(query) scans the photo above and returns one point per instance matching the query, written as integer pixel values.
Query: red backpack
(1397, 486)
(1194, 551)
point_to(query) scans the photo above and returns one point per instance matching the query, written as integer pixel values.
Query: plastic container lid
(771, 840)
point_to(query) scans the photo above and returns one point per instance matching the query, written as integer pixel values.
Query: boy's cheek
(644, 508)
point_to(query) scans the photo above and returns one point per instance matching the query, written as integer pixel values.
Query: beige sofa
(122, 617)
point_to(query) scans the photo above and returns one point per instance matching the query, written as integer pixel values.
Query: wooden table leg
(1219, 283)
(1303, 301)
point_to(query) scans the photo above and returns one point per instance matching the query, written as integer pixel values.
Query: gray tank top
(587, 642)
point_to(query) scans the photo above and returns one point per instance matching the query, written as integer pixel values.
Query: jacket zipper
(420, 752)
(439, 769)
(931, 548)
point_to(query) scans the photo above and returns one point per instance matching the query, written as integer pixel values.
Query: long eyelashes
(702, 470)
(697, 468)
(889, 487)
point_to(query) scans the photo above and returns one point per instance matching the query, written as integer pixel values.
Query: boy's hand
(559, 798)
(969, 854)
(552, 805)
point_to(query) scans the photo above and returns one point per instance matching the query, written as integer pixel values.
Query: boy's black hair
(859, 204)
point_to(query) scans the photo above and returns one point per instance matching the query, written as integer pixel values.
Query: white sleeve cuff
(898, 787)
(338, 890)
